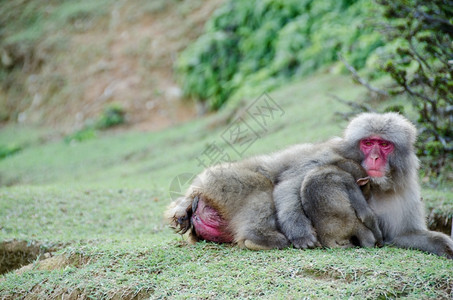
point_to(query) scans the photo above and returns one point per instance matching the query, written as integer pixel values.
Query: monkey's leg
(291, 217)
(264, 240)
(348, 233)
(252, 246)
(428, 241)
(255, 226)
(336, 223)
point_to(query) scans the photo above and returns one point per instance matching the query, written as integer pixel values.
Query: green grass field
(95, 208)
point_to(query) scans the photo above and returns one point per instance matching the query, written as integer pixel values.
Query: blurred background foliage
(262, 44)
(63, 62)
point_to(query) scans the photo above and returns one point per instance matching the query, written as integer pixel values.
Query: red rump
(209, 225)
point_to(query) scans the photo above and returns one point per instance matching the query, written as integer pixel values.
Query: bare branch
(411, 92)
(443, 23)
(360, 79)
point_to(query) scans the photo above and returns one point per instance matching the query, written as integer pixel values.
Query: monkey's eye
(367, 143)
(385, 144)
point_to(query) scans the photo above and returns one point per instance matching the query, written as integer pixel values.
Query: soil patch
(126, 57)
(15, 254)
(440, 222)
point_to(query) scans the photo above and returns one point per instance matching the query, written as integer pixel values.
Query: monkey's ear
(363, 181)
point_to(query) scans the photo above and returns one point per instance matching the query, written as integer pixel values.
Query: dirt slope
(124, 57)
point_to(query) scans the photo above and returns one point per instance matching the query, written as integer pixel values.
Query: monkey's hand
(370, 220)
(298, 230)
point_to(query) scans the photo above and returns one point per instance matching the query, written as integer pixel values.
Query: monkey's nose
(374, 156)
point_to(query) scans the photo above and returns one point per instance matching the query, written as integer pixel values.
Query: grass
(101, 202)
(216, 271)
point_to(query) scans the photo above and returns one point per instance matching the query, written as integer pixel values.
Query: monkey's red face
(376, 151)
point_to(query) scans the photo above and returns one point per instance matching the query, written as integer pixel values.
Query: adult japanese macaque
(384, 144)
(257, 202)
(230, 203)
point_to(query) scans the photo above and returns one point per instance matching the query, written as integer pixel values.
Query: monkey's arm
(428, 241)
(364, 212)
(291, 218)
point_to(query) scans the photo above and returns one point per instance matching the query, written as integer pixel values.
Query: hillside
(70, 61)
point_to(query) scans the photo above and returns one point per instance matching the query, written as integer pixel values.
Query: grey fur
(243, 197)
(396, 198)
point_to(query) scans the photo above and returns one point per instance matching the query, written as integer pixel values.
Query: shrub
(263, 43)
(112, 115)
(8, 150)
(84, 134)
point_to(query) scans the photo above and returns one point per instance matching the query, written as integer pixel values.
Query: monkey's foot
(342, 244)
(252, 246)
(370, 221)
(178, 214)
(447, 250)
(309, 240)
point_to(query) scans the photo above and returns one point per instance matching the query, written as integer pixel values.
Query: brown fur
(336, 205)
(243, 197)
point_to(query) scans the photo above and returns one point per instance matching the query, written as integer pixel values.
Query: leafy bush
(84, 134)
(263, 43)
(113, 115)
(420, 60)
